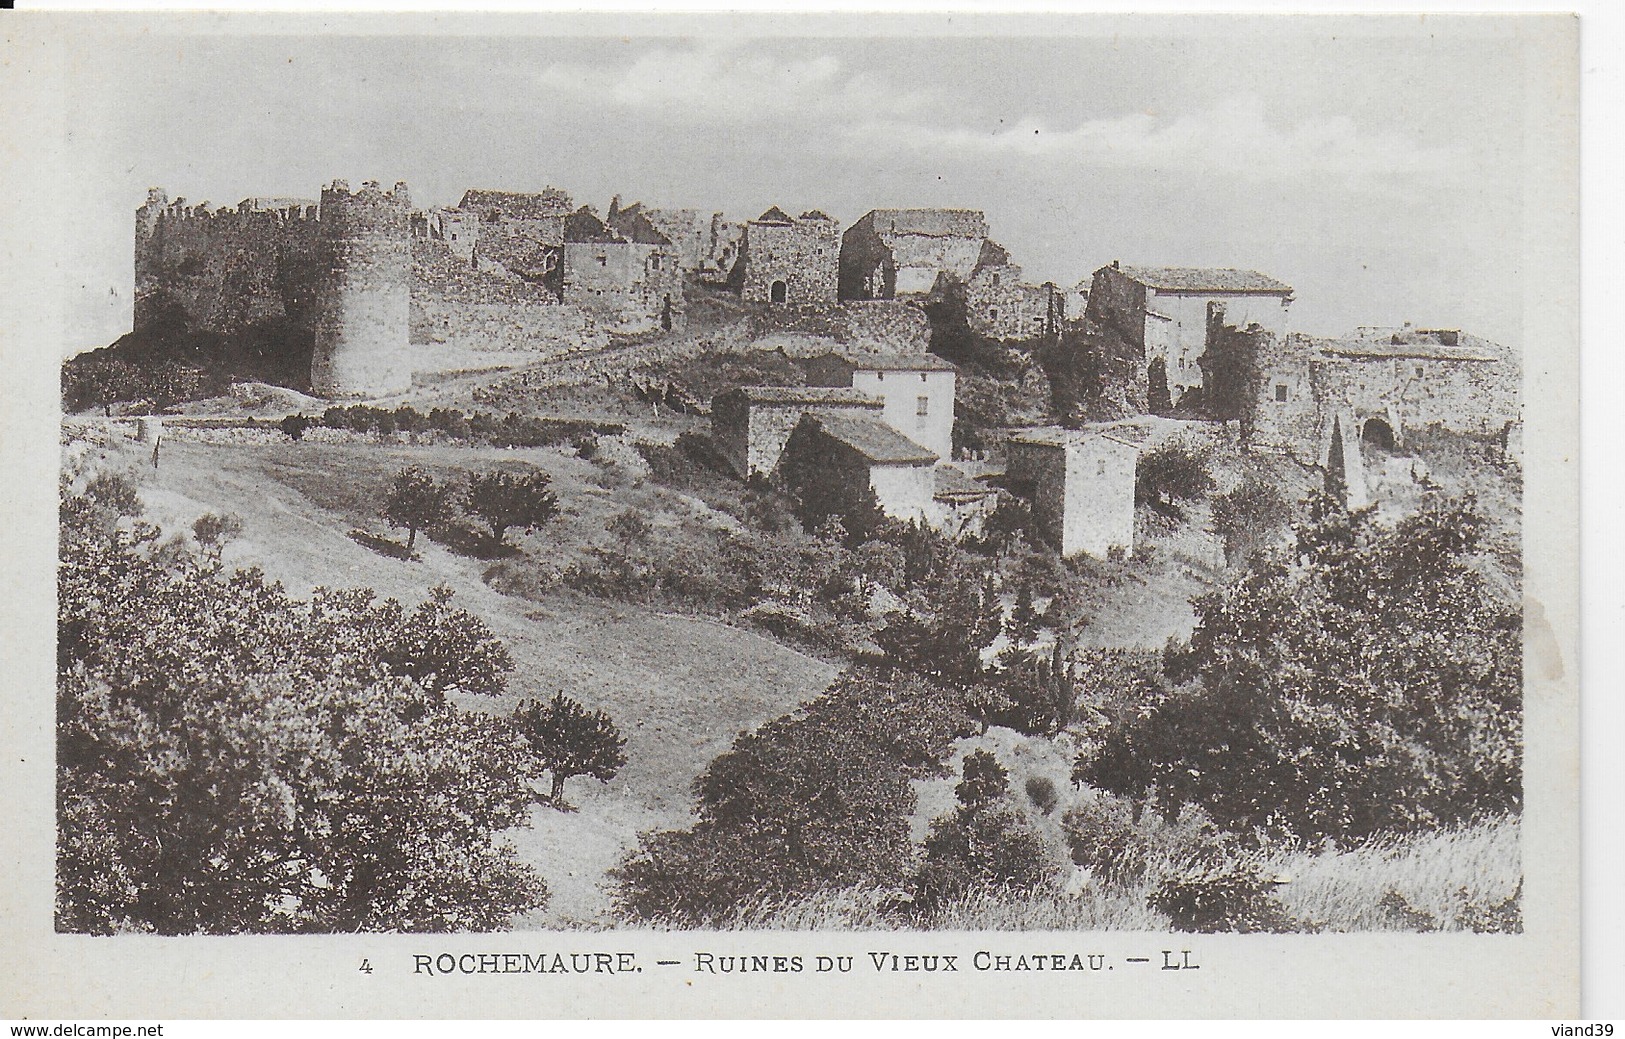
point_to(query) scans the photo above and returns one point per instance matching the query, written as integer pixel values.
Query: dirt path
(679, 688)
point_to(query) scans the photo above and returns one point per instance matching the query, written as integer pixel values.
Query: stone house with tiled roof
(1164, 313)
(1080, 484)
(917, 391)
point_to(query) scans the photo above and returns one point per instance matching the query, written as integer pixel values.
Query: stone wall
(999, 305)
(903, 492)
(627, 287)
(903, 394)
(363, 309)
(228, 268)
(791, 263)
(752, 436)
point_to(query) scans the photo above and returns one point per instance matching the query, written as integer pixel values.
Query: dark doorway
(665, 315)
(778, 292)
(1378, 434)
(1157, 399)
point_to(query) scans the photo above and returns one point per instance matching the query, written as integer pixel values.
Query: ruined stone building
(999, 304)
(1081, 486)
(1164, 314)
(897, 253)
(916, 391)
(1339, 402)
(498, 277)
(787, 260)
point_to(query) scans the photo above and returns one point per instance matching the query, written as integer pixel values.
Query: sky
(1376, 168)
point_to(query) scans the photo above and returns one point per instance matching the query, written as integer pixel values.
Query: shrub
(1248, 518)
(285, 779)
(213, 532)
(985, 843)
(114, 491)
(294, 426)
(1229, 897)
(813, 801)
(1042, 793)
(1170, 473)
(1342, 654)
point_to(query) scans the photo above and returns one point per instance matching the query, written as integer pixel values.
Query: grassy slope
(679, 688)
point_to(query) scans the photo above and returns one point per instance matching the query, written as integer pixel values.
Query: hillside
(679, 688)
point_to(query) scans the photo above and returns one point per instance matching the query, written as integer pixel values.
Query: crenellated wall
(225, 269)
(363, 310)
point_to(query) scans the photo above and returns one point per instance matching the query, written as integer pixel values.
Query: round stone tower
(362, 304)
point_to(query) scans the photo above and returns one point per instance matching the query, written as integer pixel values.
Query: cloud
(733, 83)
(1234, 138)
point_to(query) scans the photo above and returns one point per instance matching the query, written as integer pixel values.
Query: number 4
(366, 968)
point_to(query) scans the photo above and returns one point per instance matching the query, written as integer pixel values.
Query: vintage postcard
(792, 516)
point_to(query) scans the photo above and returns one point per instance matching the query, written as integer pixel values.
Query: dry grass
(1450, 876)
(679, 688)
(1453, 880)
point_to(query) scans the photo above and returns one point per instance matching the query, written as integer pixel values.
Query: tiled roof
(808, 395)
(873, 439)
(894, 362)
(939, 223)
(1056, 436)
(951, 483)
(993, 255)
(519, 205)
(1205, 279)
(1386, 348)
(774, 215)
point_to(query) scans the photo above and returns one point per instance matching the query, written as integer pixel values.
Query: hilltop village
(379, 292)
(529, 564)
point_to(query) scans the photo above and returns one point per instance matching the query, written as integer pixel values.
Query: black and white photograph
(814, 481)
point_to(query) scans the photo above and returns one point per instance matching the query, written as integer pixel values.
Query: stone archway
(778, 292)
(1376, 432)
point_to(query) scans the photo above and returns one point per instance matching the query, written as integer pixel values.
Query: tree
(985, 843)
(416, 500)
(231, 759)
(568, 740)
(1171, 473)
(504, 499)
(816, 800)
(1024, 616)
(1373, 683)
(213, 532)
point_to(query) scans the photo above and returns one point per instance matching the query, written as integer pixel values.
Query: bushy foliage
(1372, 684)
(416, 500)
(812, 801)
(986, 842)
(213, 532)
(504, 499)
(114, 491)
(294, 426)
(1232, 896)
(232, 759)
(1172, 473)
(1121, 845)
(510, 430)
(1249, 517)
(570, 740)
